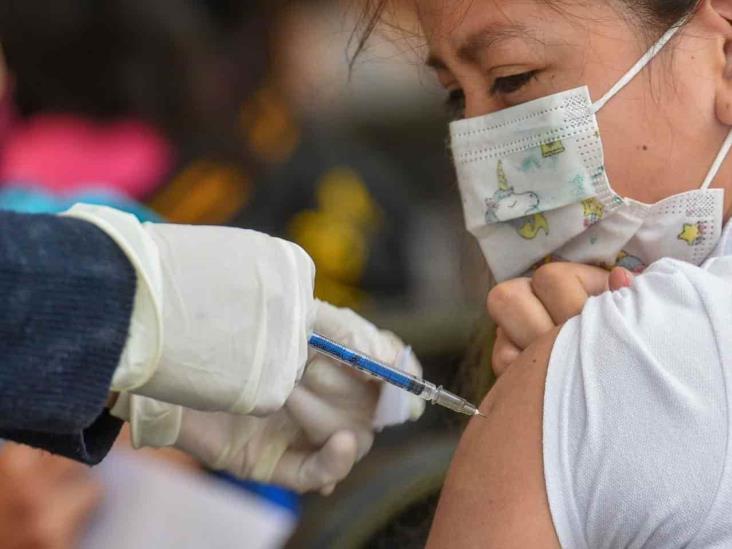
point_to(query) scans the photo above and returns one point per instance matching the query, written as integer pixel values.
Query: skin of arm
(495, 495)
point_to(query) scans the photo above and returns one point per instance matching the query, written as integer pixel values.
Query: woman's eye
(455, 104)
(511, 84)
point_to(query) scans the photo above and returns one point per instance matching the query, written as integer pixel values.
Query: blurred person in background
(107, 100)
(139, 499)
(45, 501)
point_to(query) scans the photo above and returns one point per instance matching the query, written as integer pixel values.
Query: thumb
(620, 278)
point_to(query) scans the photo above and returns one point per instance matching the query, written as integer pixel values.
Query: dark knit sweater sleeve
(66, 291)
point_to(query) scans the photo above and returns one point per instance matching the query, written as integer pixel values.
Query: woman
(608, 426)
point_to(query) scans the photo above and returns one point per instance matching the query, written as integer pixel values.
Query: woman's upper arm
(495, 494)
(610, 433)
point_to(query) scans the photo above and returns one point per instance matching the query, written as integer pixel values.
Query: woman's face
(661, 133)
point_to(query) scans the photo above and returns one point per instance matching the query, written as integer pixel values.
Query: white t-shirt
(637, 414)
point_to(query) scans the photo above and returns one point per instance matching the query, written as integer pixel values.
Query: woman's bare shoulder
(495, 495)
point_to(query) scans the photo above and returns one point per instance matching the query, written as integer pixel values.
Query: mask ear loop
(639, 66)
(721, 157)
(636, 69)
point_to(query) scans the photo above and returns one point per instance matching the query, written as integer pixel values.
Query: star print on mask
(692, 234)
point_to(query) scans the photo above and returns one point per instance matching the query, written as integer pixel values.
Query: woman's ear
(723, 12)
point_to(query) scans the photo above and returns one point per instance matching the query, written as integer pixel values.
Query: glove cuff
(153, 423)
(143, 350)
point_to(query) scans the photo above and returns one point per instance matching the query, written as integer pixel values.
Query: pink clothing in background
(66, 154)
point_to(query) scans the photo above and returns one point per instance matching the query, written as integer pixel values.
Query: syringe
(390, 374)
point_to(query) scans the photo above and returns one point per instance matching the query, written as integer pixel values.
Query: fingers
(17, 459)
(37, 465)
(319, 420)
(58, 469)
(335, 382)
(525, 309)
(519, 312)
(505, 353)
(49, 499)
(321, 470)
(348, 328)
(328, 490)
(620, 278)
(315, 416)
(564, 288)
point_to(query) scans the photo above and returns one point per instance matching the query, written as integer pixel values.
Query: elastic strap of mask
(639, 66)
(721, 157)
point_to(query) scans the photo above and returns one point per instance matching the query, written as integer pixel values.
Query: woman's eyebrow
(480, 41)
(488, 38)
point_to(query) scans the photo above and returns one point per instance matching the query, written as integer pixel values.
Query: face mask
(535, 190)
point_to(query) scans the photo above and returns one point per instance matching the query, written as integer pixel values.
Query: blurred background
(246, 113)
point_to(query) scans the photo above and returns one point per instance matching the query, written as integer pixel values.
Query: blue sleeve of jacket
(66, 291)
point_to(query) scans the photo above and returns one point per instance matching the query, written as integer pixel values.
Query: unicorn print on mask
(521, 208)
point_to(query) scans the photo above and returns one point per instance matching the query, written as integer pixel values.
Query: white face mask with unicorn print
(535, 190)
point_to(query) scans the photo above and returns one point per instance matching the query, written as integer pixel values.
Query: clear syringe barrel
(390, 374)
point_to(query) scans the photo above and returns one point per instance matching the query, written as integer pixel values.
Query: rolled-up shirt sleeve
(636, 415)
(67, 293)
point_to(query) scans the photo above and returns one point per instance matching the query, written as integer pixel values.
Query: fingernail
(627, 277)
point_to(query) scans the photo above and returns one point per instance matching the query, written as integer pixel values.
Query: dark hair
(660, 14)
(650, 15)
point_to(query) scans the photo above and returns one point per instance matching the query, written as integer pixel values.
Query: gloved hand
(326, 426)
(221, 315)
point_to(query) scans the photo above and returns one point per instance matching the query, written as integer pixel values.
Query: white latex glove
(221, 315)
(326, 426)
